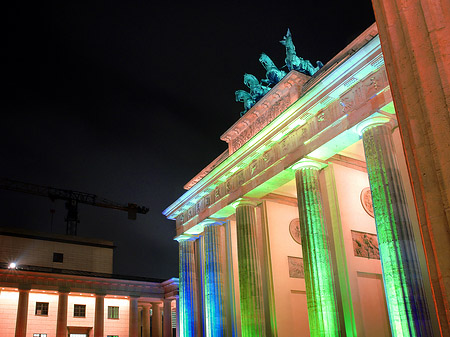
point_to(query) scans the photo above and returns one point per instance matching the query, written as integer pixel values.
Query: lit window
(39, 335)
(41, 309)
(113, 312)
(79, 310)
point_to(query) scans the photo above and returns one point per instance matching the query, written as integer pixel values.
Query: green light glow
(213, 282)
(407, 307)
(320, 293)
(250, 283)
(289, 118)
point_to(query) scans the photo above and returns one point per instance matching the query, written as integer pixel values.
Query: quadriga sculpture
(293, 62)
(246, 98)
(273, 74)
(257, 90)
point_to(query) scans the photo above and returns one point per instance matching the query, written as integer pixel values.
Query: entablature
(340, 99)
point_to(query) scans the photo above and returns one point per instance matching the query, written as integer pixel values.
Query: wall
(117, 326)
(290, 295)
(87, 321)
(40, 253)
(42, 324)
(8, 312)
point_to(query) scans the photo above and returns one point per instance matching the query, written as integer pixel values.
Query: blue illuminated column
(190, 325)
(214, 279)
(407, 306)
(250, 282)
(320, 290)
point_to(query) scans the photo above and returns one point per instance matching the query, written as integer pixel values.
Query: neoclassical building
(308, 224)
(63, 286)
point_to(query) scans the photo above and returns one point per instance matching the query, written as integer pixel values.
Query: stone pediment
(278, 99)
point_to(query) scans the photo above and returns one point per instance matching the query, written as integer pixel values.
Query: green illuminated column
(190, 325)
(250, 283)
(320, 291)
(214, 299)
(408, 311)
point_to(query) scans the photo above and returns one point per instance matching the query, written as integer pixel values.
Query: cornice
(331, 94)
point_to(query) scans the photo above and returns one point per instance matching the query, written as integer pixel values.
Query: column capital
(24, 287)
(245, 202)
(308, 163)
(63, 290)
(213, 222)
(186, 237)
(374, 121)
(155, 304)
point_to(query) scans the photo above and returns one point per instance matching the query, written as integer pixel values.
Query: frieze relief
(354, 98)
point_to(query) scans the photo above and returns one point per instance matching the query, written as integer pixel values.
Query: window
(58, 257)
(39, 335)
(113, 312)
(41, 309)
(79, 310)
(113, 335)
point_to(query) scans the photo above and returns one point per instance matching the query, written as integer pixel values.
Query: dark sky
(128, 99)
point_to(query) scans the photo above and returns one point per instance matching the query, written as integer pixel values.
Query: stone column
(22, 311)
(415, 37)
(214, 281)
(178, 316)
(61, 320)
(133, 326)
(250, 283)
(167, 318)
(190, 325)
(156, 320)
(320, 291)
(140, 311)
(99, 318)
(407, 306)
(146, 320)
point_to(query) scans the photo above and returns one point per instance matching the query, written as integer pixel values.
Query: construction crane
(72, 198)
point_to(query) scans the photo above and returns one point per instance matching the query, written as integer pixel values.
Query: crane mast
(72, 199)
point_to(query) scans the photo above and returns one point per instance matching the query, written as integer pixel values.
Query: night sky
(127, 100)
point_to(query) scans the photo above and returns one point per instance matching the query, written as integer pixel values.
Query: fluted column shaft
(320, 291)
(188, 291)
(99, 315)
(61, 320)
(156, 320)
(214, 299)
(167, 318)
(250, 283)
(133, 317)
(22, 313)
(146, 321)
(178, 316)
(408, 311)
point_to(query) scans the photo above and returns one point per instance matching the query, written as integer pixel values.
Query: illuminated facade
(280, 235)
(63, 286)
